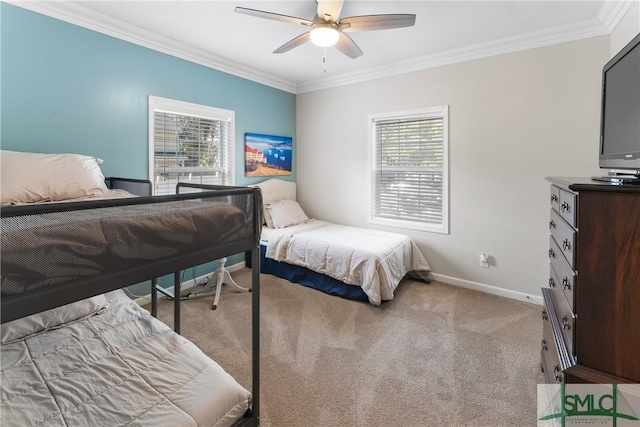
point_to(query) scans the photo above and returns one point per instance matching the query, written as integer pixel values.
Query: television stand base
(618, 179)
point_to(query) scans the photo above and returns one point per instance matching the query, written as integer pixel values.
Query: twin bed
(354, 263)
(75, 350)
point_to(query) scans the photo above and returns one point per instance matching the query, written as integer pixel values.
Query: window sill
(412, 225)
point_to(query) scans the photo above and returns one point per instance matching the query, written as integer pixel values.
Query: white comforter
(374, 260)
(116, 367)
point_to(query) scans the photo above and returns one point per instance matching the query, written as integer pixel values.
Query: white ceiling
(210, 33)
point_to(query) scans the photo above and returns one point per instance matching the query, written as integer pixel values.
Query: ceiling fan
(326, 29)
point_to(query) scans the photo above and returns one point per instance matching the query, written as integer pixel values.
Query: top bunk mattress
(117, 366)
(51, 248)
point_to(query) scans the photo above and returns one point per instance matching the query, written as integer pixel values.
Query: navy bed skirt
(308, 278)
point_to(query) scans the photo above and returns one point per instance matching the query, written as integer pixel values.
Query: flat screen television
(620, 116)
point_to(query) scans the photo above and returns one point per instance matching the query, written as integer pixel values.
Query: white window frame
(158, 104)
(426, 113)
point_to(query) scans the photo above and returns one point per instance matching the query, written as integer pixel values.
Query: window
(408, 169)
(189, 143)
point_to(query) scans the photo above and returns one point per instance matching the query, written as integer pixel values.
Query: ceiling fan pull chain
(324, 60)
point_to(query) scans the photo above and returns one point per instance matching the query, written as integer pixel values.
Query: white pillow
(266, 216)
(51, 319)
(35, 177)
(284, 213)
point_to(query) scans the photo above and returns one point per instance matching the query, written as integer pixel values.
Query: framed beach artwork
(267, 155)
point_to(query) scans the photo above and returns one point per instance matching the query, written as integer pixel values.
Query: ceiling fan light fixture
(328, 30)
(324, 35)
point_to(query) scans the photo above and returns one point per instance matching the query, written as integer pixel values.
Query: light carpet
(437, 355)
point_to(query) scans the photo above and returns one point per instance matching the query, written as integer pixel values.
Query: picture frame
(267, 155)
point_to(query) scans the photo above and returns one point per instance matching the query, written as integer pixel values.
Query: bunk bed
(76, 351)
(350, 262)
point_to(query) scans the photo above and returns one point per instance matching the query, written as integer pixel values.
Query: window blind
(190, 149)
(409, 169)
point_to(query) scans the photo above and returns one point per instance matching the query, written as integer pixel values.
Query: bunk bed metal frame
(15, 306)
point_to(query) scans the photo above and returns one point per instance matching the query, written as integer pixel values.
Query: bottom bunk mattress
(106, 362)
(375, 261)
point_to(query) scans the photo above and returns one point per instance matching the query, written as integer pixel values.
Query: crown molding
(576, 31)
(608, 18)
(613, 11)
(86, 18)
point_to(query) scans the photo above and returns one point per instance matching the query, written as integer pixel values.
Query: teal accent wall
(67, 89)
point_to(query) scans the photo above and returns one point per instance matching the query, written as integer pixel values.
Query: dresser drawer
(564, 235)
(549, 358)
(568, 207)
(563, 278)
(566, 319)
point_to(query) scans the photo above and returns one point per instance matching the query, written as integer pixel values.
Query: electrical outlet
(484, 260)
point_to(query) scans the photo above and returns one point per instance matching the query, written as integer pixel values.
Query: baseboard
(144, 299)
(468, 284)
(520, 296)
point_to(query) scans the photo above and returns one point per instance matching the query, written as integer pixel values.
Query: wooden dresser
(591, 313)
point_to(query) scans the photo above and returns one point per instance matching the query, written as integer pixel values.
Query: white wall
(627, 28)
(514, 119)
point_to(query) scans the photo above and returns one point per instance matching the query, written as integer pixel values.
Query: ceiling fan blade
(332, 8)
(347, 46)
(377, 22)
(272, 16)
(302, 38)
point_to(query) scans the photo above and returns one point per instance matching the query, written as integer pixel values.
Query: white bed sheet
(117, 367)
(374, 260)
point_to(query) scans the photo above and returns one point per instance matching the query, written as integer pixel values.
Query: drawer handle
(556, 373)
(552, 225)
(554, 198)
(566, 284)
(552, 283)
(566, 245)
(552, 254)
(565, 207)
(565, 322)
(544, 344)
(545, 316)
